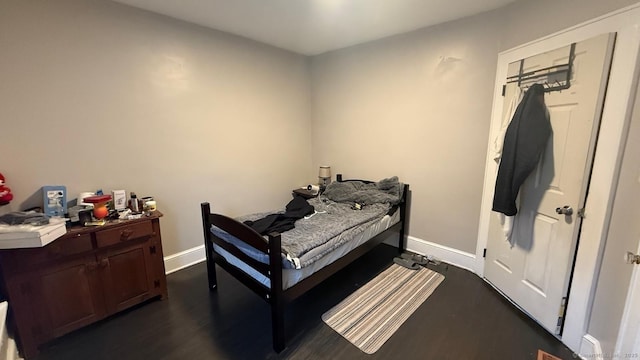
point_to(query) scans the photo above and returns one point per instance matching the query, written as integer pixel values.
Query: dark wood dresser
(82, 277)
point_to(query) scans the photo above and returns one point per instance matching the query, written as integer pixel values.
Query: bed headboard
(340, 179)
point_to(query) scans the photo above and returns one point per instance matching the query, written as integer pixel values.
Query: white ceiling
(312, 27)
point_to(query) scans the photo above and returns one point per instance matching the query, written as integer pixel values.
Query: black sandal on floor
(406, 263)
(416, 258)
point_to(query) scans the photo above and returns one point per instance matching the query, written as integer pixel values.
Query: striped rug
(369, 316)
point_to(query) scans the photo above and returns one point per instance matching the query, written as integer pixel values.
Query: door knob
(565, 210)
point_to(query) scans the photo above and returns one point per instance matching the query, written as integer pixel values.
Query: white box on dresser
(28, 236)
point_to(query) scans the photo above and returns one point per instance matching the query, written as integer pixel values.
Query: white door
(533, 268)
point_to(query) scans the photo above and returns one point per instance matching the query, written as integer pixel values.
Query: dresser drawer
(25, 259)
(69, 245)
(123, 233)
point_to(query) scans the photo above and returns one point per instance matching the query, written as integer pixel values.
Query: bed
(279, 269)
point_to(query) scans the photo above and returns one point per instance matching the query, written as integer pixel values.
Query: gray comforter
(384, 191)
(334, 222)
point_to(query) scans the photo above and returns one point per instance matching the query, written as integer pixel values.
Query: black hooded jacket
(524, 142)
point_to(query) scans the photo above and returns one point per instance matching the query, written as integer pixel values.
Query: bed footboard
(208, 246)
(249, 237)
(273, 270)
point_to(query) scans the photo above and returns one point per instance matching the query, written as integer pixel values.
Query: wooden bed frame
(275, 295)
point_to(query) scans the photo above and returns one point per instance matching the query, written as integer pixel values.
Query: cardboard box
(542, 355)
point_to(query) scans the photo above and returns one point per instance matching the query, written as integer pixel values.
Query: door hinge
(581, 213)
(504, 89)
(560, 322)
(484, 253)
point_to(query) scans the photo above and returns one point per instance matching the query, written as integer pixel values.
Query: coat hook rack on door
(553, 78)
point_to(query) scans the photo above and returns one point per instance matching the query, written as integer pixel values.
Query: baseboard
(449, 255)
(590, 348)
(189, 257)
(183, 259)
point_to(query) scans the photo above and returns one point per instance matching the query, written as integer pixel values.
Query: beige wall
(73, 71)
(527, 20)
(417, 106)
(95, 94)
(430, 120)
(82, 68)
(424, 100)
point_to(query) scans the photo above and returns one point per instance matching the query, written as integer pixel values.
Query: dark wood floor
(463, 319)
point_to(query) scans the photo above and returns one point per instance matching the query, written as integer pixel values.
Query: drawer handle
(125, 234)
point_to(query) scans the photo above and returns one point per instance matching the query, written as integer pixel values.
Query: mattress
(290, 277)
